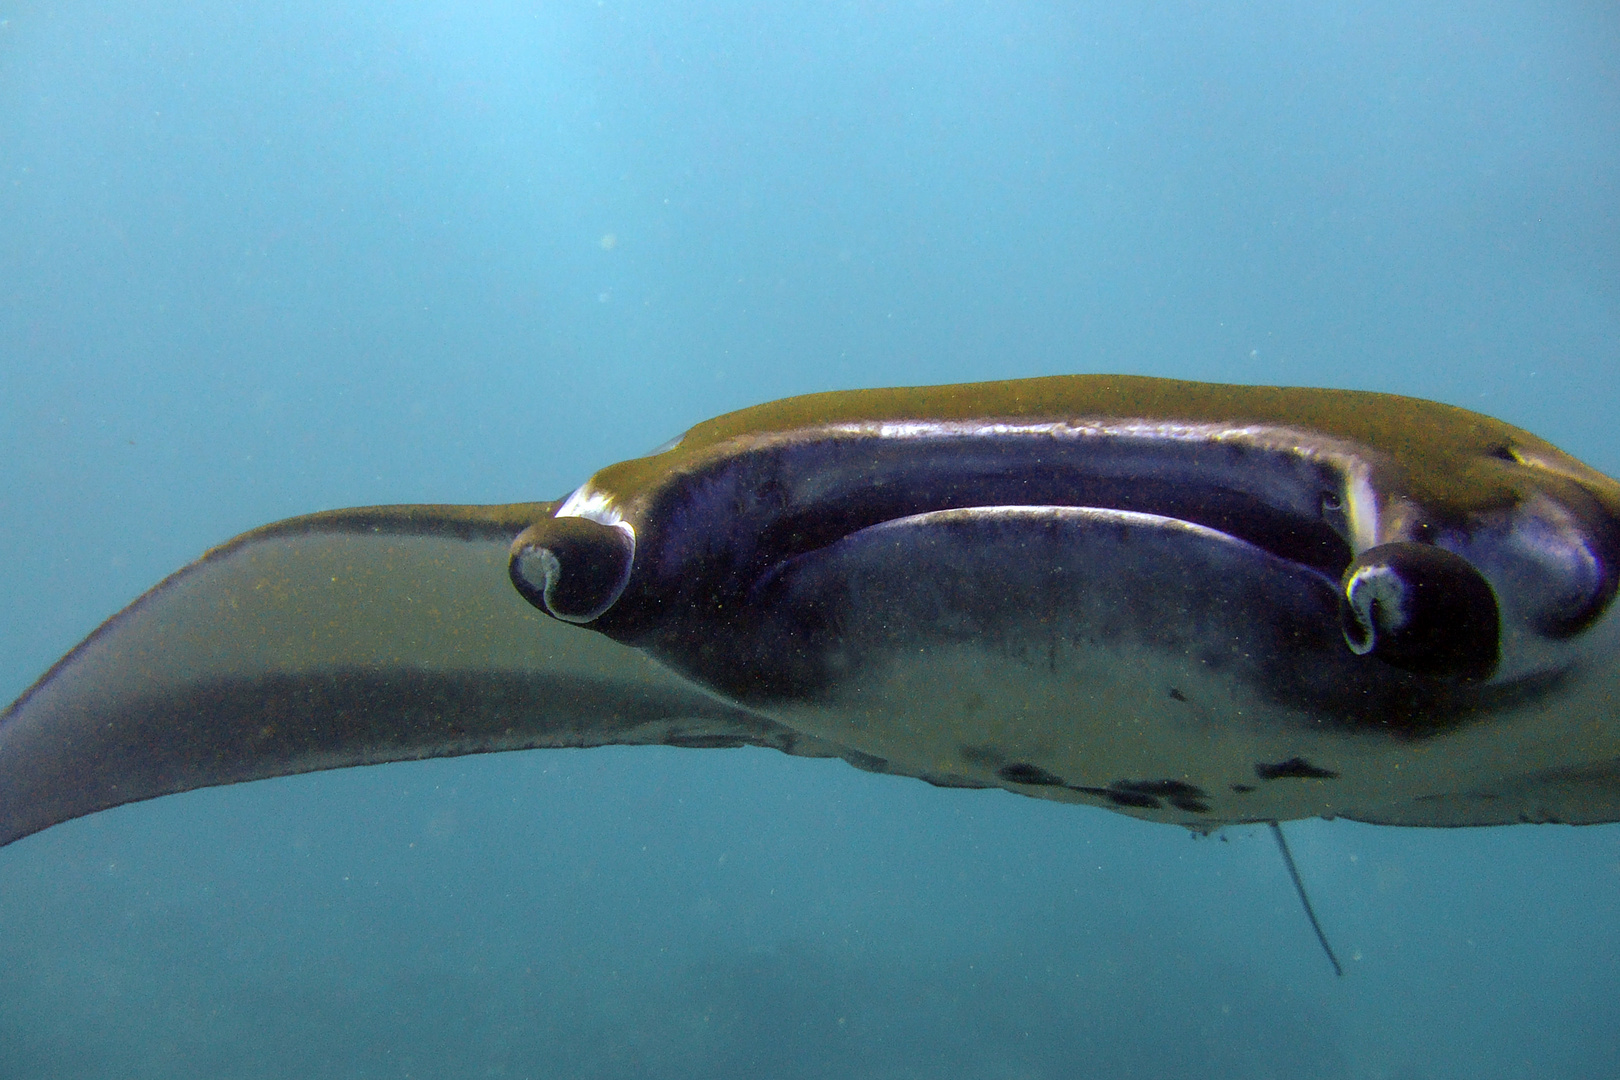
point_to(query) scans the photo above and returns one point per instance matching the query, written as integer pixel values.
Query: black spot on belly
(1022, 772)
(1295, 768)
(1242, 789)
(981, 755)
(1167, 788)
(866, 762)
(703, 742)
(1129, 798)
(1177, 694)
(1149, 794)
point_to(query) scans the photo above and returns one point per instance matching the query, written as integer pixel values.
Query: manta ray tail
(1304, 898)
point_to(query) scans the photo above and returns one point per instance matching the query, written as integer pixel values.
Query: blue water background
(263, 259)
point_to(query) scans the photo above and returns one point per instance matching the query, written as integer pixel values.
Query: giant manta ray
(1190, 603)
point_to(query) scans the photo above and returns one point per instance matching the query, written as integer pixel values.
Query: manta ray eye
(572, 567)
(1421, 608)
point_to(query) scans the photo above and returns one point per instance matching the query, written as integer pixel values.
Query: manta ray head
(1488, 557)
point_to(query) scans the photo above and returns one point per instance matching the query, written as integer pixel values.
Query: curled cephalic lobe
(573, 568)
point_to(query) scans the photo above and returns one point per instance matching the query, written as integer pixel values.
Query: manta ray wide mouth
(1255, 485)
(1412, 605)
(706, 537)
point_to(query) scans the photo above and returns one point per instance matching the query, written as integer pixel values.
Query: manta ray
(1192, 603)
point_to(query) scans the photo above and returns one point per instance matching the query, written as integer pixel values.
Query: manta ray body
(1192, 603)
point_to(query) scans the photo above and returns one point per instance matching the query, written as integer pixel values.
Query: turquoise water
(257, 261)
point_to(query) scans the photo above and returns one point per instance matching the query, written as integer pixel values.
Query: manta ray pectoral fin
(1570, 795)
(344, 638)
